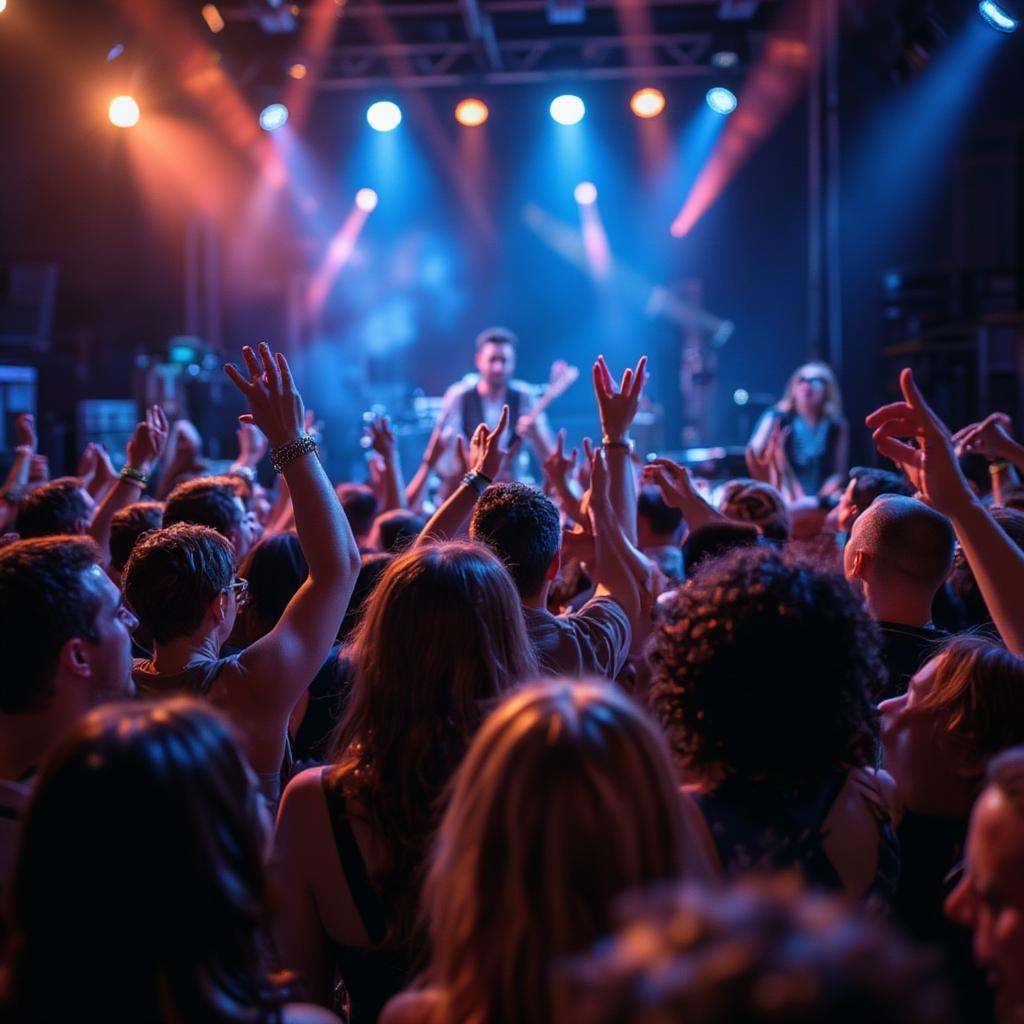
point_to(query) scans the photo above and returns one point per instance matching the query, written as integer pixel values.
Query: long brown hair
(139, 890)
(833, 407)
(567, 798)
(443, 638)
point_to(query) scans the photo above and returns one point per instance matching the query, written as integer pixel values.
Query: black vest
(473, 411)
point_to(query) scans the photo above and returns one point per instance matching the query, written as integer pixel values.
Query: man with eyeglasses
(181, 581)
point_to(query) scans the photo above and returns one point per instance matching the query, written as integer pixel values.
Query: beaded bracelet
(131, 475)
(280, 457)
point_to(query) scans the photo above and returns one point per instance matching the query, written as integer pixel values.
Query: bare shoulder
(302, 796)
(413, 1008)
(307, 1013)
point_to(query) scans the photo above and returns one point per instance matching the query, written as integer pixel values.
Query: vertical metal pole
(815, 187)
(833, 225)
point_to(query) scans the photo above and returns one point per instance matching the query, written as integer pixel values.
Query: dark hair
(522, 527)
(372, 567)
(714, 540)
(360, 505)
(207, 501)
(139, 891)
(751, 501)
(45, 600)
(870, 482)
(962, 582)
(765, 676)
(52, 508)
(275, 569)
(760, 952)
(398, 528)
(496, 336)
(1006, 773)
(173, 575)
(907, 537)
(442, 638)
(128, 525)
(650, 506)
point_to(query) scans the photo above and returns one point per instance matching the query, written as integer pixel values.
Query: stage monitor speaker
(27, 295)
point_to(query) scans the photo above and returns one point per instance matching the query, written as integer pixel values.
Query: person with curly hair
(765, 674)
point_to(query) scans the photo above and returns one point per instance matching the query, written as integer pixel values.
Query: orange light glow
(647, 102)
(123, 112)
(471, 113)
(212, 17)
(297, 71)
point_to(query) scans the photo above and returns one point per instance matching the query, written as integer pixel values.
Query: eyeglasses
(812, 380)
(240, 588)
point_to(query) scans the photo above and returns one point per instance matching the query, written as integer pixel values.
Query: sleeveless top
(370, 976)
(785, 834)
(811, 449)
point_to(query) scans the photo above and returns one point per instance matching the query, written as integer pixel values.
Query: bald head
(905, 540)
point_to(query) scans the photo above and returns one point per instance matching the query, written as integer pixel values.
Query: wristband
(280, 457)
(478, 481)
(607, 442)
(995, 468)
(131, 475)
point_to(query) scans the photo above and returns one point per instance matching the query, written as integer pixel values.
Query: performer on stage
(479, 397)
(811, 417)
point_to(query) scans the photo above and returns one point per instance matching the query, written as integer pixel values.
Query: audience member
(761, 953)
(566, 799)
(898, 556)
(360, 507)
(442, 639)
(214, 501)
(62, 506)
(127, 526)
(396, 529)
(660, 533)
(765, 675)
(750, 501)
(139, 891)
(714, 540)
(181, 582)
(990, 896)
(865, 485)
(66, 637)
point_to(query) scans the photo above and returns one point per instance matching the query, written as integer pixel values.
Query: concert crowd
(624, 745)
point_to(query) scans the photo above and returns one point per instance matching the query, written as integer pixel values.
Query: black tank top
(371, 976)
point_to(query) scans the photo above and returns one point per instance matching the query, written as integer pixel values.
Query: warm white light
(647, 102)
(124, 112)
(383, 116)
(366, 199)
(471, 112)
(585, 193)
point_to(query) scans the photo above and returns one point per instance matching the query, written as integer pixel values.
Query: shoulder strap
(515, 402)
(363, 895)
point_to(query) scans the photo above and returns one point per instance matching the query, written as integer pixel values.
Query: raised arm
(142, 452)
(617, 407)
(558, 469)
(997, 563)
(279, 666)
(677, 491)
(485, 460)
(382, 440)
(14, 484)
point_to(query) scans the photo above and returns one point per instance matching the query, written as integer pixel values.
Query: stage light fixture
(273, 117)
(567, 109)
(585, 193)
(383, 116)
(725, 59)
(3, 6)
(298, 71)
(366, 199)
(999, 15)
(647, 102)
(721, 100)
(212, 17)
(471, 112)
(124, 112)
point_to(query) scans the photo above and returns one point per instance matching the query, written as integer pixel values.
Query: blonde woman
(566, 799)
(809, 427)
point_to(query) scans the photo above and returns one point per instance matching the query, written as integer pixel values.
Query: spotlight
(297, 71)
(585, 193)
(3, 6)
(725, 59)
(721, 100)
(273, 117)
(383, 116)
(124, 112)
(567, 109)
(471, 112)
(213, 19)
(647, 102)
(366, 199)
(741, 396)
(998, 16)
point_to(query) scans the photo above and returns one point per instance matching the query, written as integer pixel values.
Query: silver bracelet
(280, 457)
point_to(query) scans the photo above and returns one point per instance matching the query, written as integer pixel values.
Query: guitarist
(479, 397)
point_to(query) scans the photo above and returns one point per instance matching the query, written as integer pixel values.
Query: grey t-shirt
(591, 642)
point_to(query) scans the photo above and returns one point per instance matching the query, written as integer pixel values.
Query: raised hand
(275, 405)
(252, 445)
(381, 437)
(673, 481)
(617, 405)
(38, 469)
(87, 463)
(932, 465)
(25, 431)
(486, 455)
(992, 437)
(558, 465)
(105, 472)
(147, 443)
